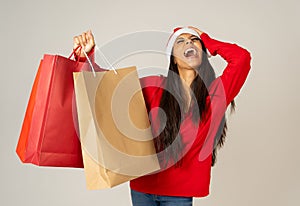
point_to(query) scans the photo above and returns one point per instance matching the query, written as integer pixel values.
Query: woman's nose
(188, 41)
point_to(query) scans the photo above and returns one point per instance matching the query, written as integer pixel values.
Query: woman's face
(187, 51)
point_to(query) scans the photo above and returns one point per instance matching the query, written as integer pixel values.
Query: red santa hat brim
(177, 32)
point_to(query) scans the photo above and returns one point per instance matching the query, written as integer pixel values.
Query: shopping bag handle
(111, 67)
(74, 52)
(88, 59)
(86, 56)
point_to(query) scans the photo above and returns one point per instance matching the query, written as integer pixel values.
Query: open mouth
(190, 52)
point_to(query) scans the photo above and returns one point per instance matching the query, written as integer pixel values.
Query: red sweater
(192, 177)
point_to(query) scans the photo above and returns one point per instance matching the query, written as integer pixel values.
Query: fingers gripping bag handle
(79, 49)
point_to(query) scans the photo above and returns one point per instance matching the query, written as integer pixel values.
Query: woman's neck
(188, 75)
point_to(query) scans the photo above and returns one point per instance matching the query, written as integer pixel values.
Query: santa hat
(177, 32)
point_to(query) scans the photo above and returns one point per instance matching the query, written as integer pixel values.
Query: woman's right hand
(86, 41)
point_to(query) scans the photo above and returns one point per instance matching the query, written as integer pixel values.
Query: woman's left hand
(196, 29)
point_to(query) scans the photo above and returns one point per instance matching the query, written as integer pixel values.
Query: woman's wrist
(83, 58)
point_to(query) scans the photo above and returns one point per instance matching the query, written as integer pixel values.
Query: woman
(190, 125)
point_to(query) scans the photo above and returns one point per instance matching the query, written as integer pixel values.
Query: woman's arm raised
(237, 69)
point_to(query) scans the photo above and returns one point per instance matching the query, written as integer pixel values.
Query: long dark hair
(173, 97)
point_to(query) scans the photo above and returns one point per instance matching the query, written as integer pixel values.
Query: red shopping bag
(49, 134)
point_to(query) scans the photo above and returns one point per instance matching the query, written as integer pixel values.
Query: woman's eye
(195, 39)
(179, 41)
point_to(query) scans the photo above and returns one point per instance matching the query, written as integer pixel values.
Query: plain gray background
(259, 164)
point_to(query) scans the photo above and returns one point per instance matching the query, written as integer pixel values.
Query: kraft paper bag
(115, 134)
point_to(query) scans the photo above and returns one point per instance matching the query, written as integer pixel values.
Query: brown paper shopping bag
(115, 134)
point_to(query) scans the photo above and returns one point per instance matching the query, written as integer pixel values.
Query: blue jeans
(143, 199)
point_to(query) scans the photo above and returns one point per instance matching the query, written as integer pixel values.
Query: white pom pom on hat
(177, 32)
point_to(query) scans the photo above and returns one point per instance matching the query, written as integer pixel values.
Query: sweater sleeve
(237, 69)
(151, 87)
